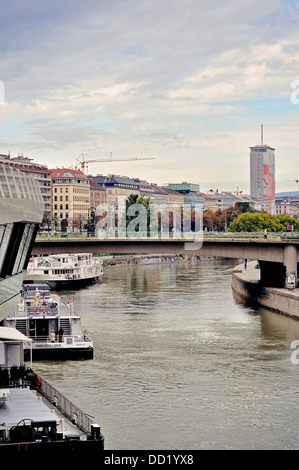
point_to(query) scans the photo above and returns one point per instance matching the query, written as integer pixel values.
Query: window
(61, 198)
(55, 198)
(55, 190)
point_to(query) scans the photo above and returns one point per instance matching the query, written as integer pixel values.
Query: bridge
(277, 258)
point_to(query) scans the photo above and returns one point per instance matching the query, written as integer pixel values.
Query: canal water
(180, 364)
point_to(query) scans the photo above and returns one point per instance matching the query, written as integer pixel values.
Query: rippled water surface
(180, 364)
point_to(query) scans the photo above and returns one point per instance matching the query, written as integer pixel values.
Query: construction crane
(235, 191)
(83, 164)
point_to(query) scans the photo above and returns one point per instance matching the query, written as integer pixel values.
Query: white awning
(12, 334)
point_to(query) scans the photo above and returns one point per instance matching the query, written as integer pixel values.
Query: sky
(187, 82)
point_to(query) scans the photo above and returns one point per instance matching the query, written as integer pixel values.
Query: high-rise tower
(262, 174)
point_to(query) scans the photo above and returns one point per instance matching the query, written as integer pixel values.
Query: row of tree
(241, 218)
(238, 218)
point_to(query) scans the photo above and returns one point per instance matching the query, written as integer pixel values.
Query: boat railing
(68, 408)
(64, 339)
(41, 310)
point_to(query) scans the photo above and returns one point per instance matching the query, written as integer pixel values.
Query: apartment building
(97, 195)
(118, 189)
(70, 199)
(286, 207)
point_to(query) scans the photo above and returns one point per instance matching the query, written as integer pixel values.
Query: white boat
(52, 325)
(64, 269)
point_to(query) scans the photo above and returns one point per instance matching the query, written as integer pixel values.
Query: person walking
(266, 234)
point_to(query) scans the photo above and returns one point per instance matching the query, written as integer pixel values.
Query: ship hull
(66, 354)
(57, 285)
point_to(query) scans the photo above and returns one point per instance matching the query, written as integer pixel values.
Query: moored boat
(35, 418)
(52, 325)
(64, 270)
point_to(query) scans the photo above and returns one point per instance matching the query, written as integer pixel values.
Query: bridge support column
(290, 261)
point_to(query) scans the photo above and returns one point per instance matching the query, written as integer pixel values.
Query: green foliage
(135, 199)
(243, 206)
(257, 222)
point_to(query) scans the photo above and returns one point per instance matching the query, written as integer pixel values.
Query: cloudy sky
(188, 82)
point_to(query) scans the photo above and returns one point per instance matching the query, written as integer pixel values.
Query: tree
(258, 222)
(131, 216)
(244, 207)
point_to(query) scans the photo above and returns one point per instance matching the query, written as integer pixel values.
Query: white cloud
(150, 78)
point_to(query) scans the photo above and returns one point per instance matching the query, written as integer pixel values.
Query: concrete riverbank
(246, 284)
(116, 260)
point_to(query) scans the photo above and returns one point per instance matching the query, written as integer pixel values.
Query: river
(180, 364)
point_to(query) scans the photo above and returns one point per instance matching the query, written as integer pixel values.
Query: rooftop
(68, 173)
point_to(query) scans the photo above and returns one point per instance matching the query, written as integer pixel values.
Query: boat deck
(25, 404)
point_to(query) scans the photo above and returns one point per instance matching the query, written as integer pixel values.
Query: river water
(180, 364)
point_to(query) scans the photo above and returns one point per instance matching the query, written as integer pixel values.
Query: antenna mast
(262, 137)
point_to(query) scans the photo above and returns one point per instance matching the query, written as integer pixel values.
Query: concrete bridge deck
(253, 249)
(277, 258)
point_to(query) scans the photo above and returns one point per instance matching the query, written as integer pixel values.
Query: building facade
(70, 199)
(118, 189)
(262, 176)
(283, 206)
(185, 188)
(97, 195)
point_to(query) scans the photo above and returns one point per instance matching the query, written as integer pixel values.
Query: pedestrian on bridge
(266, 234)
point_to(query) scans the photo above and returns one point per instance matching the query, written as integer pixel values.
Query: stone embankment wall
(245, 283)
(150, 259)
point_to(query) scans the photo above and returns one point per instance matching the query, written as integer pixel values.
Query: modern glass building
(185, 188)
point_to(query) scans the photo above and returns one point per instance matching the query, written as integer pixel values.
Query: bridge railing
(86, 235)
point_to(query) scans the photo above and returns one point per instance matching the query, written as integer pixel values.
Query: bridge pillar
(290, 261)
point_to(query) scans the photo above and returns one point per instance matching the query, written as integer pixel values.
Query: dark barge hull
(68, 354)
(64, 447)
